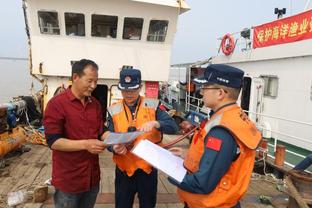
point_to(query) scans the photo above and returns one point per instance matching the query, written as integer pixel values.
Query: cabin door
(256, 99)
(252, 97)
(100, 93)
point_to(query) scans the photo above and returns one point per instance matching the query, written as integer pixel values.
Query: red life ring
(227, 44)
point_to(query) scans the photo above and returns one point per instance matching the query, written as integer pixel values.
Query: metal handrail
(287, 163)
(287, 135)
(294, 153)
(188, 103)
(261, 127)
(280, 118)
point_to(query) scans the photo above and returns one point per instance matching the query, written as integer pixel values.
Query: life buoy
(227, 44)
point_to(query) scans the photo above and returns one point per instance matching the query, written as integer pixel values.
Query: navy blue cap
(222, 74)
(129, 79)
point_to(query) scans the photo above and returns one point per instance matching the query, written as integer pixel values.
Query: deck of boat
(32, 168)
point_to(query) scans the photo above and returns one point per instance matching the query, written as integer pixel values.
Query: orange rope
(36, 137)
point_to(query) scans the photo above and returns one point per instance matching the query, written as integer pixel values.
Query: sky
(195, 39)
(198, 29)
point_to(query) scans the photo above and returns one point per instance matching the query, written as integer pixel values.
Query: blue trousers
(140, 182)
(76, 200)
(305, 163)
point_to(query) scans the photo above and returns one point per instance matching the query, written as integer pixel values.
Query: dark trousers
(140, 182)
(76, 200)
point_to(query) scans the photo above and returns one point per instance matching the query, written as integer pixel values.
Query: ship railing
(264, 128)
(194, 103)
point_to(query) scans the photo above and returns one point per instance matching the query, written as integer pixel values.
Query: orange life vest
(234, 183)
(122, 119)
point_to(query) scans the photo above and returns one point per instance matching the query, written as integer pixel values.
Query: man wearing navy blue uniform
(135, 112)
(207, 182)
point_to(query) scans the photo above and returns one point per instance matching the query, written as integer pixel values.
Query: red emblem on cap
(127, 79)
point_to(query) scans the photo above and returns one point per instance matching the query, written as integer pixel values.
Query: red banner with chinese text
(151, 89)
(290, 29)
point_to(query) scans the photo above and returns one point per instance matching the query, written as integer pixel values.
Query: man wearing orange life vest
(221, 157)
(134, 112)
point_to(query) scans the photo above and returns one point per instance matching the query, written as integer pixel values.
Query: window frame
(58, 21)
(118, 17)
(267, 85)
(165, 35)
(85, 24)
(123, 29)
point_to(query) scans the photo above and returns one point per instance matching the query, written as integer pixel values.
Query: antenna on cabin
(279, 12)
(245, 33)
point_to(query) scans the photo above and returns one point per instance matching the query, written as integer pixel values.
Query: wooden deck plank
(265, 188)
(22, 175)
(160, 186)
(46, 171)
(109, 198)
(17, 166)
(33, 205)
(104, 206)
(107, 172)
(38, 161)
(33, 169)
(44, 174)
(161, 205)
(169, 187)
(107, 180)
(179, 205)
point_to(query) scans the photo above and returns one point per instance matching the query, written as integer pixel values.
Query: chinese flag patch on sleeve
(162, 107)
(214, 143)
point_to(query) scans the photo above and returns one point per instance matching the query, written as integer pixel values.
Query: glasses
(130, 91)
(213, 88)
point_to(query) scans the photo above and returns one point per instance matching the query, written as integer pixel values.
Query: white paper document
(121, 138)
(161, 159)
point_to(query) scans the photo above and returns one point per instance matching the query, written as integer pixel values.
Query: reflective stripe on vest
(234, 183)
(150, 103)
(115, 109)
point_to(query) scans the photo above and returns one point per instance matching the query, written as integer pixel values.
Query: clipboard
(161, 159)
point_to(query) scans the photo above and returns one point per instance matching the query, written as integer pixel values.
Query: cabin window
(270, 85)
(48, 23)
(132, 28)
(104, 26)
(75, 24)
(157, 30)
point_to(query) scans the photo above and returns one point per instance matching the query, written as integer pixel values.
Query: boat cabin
(113, 33)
